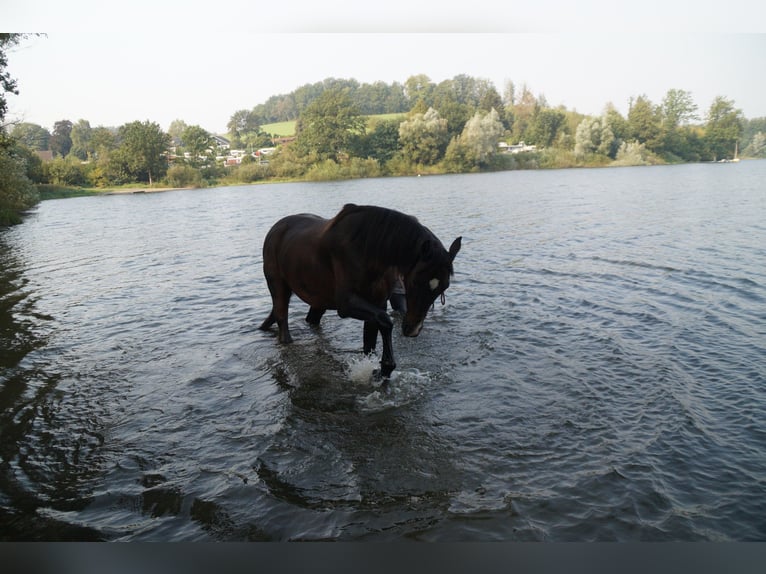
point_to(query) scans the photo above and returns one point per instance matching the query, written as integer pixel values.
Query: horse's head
(428, 280)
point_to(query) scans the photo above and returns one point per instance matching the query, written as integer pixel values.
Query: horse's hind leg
(314, 316)
(280, 298)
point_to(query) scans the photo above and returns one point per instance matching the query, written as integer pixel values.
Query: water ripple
(596, 373)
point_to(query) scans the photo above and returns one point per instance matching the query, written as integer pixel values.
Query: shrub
(634, 153)
(250, 172)
(66, 171)
(184, 176)
(326, 170)
(17, 192)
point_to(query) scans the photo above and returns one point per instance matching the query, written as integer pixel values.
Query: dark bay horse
(350, 263)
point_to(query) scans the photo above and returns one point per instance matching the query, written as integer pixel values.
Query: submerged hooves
(384, 373)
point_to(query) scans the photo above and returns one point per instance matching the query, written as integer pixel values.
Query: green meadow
(286, 129)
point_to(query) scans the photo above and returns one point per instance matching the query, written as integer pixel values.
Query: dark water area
(598, 371)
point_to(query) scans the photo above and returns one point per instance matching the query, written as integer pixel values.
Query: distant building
(46, 155)
(221, 142)
(517, 148)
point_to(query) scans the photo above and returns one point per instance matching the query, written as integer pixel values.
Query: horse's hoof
(385, 371)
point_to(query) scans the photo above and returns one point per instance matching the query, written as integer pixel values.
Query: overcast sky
(200, 61)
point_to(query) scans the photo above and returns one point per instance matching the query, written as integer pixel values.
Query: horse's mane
(381, 234)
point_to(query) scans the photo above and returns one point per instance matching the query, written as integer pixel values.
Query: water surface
(597, 372)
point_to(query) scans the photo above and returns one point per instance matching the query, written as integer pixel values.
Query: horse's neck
(406, 253)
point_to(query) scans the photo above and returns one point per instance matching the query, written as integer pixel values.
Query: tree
(481, 134)
(545, 126)
(102, 141)
(142, 150)
(327, 126)
(33, 136)
(678, 108)
(61, 140)
(724, 128)
(418, 88)
(424, 137)
(196, 141)
(594, 135)
(380, 142)
(16, 189)
(80, 135)
(757, 146)
(176, 128)
(644, 122)
(477, 144)
(523, 110)
(7, 84)
(243, 122)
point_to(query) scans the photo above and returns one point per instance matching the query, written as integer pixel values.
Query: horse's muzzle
(411, 330)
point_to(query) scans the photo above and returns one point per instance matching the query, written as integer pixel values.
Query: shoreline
(135, 190)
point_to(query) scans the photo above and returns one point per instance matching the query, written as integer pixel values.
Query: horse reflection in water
(351, 264)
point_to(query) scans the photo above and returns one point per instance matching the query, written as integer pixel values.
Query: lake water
(598, 371)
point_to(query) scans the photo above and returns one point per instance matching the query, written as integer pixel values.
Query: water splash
(404, 387)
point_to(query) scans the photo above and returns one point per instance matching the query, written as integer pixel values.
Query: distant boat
(735, 159)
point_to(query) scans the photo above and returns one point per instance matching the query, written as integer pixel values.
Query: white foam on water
(403, 387)
(360, 369)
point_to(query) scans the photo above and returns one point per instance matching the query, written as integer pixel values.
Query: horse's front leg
(370, 336)
(387, 362)
(375, 318)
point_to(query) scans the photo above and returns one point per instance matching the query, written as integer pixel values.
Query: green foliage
(545, 127)
(594, 135)
(65, 171)
(17, 192)
(51, 191)
(757, 146)
(634, 153)
(644, 122)
(80, 135)
(476, 145)
(33, 165)
(184, 176)
(142, 151)
(61, 139)
(196, 142)
(724, 128)
(450, 127)
(33, 136)
(7, 84)
(381, 140)
(248, 173)
(327, 126)
(286, 163)
(424, 137)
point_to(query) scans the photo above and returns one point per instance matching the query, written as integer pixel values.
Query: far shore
(129, 190)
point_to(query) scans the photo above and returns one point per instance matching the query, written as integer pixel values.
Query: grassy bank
(51, 191)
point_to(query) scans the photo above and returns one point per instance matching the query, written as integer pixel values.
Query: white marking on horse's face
(433, 284)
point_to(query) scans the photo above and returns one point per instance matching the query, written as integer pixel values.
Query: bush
(66, 171)
(634, 153)
(326, 170)
(249, 173)
(17, 192)
(358, 167)
(184, 176)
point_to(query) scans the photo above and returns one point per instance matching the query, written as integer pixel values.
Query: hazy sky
(201, 61)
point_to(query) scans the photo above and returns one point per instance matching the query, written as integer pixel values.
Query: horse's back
(292, 254)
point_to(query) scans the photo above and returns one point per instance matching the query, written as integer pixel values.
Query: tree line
(446, 127)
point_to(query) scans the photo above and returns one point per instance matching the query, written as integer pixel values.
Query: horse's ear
(454, 248)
